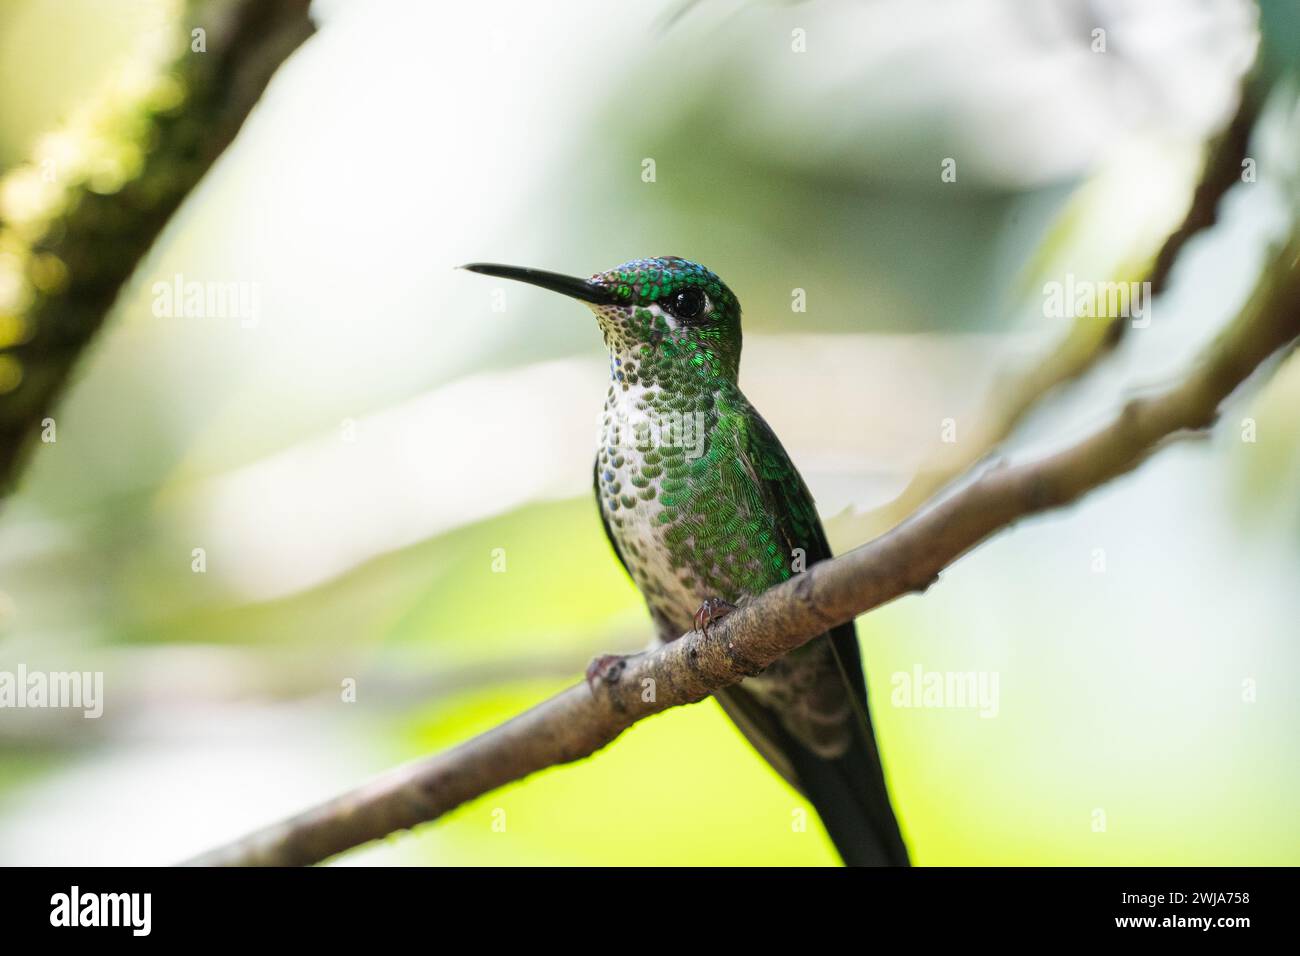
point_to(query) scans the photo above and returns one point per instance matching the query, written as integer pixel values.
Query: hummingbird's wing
(846, 783)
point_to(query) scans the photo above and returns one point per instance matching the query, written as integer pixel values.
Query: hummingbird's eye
(687, 304)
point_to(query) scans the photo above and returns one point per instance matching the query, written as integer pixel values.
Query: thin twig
(1022, 389)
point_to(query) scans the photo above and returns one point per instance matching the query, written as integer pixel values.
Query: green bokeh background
(405, 138)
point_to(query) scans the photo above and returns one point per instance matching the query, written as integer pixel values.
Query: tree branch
(86, 220)
(579, 721)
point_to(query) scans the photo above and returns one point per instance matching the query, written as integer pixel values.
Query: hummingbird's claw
(713, 609)
(607, 668)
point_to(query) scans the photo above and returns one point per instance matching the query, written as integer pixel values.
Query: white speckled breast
(629, 500)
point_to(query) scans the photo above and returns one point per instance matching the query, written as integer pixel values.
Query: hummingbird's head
(656, 315)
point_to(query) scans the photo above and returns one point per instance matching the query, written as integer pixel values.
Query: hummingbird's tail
(850, 796)
(848, 790)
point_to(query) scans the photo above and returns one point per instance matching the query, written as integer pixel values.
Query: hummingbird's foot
(607, 668)
(713, 609)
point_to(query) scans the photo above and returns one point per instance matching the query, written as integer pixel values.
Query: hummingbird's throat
(649, 348)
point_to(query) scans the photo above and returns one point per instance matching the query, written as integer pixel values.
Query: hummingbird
(704, 508)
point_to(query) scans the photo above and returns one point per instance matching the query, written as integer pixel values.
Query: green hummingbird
(703, 507)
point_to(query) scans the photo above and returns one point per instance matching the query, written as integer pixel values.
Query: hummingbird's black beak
(583, 289)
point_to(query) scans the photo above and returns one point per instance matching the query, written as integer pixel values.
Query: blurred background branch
(149, 681)
(76, 220)
(1020, 390)
(1222, 171)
